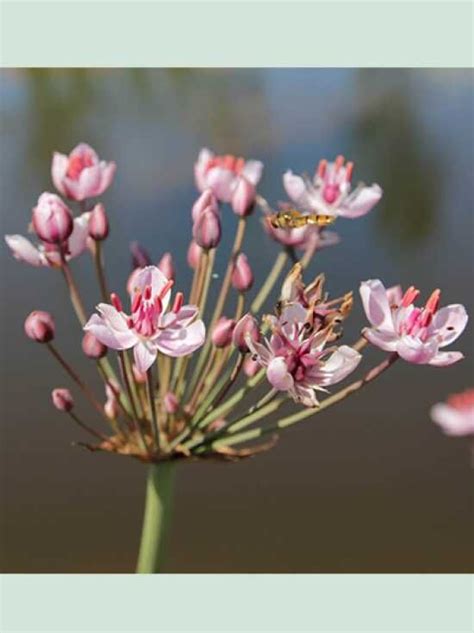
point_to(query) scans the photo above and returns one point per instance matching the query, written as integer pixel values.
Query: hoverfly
(293, 219)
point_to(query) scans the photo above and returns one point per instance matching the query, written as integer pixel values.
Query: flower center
(229, 162)
(77, 164)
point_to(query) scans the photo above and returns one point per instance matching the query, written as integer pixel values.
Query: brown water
(371, 486)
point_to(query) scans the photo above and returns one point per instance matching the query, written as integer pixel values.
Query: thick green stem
(156, 519)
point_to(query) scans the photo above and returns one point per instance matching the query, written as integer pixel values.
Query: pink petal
(83, 149)
(376, 306)
(448, 323)
(304, 395)
(24, 251)
(59, 167)
(395, 295)
(453, 421)
(252, 171)
(415, 351)
(182, 341)
(360, 202)
(107, 176)
(278, 374)
(144, 356)
(89, 182)
(77, 241)
(222, 182)
(186, 315)
(294, 186)
(263, 355)
(113, 318)
(338, 366)
(110, 337)
(204, 157)
(384, 340)
(152, 276)
(443, 359)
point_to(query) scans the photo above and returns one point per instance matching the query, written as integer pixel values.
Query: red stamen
(178, 302)
(239, 165)
(321, 170)
(339, 162)
(115, 299)
(158, 305)
(432, 304)
(137, 299)
(169, 284)
(409, 297)
(147, 293)
(130, 322)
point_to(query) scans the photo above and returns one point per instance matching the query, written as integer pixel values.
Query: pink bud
(111, 408)
(171, 402)
(92, 347)
(98, 223)
(246, 327)
(250, 367)
(140, 257)
(207, 229)
(140, 376)
(39, 326)
(194, 254)
(243, 198)
(62, 399)
(166, 266)
(242, 275)
(52, 219)
(222, 332)
(206, 201)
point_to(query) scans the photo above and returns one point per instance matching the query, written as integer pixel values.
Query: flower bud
(140, 376)
(39, 326)
(171, 402)
(166, 266)
(140, 257)
(206, 201)
(207, 229)
(98, 223)
(92, 347)
(111, 408)
(216, 425)
(194, 254)
(242, 275)
(250, 367)
(222, 332)
(246, 327)
(243, 198)
(52, 219)
(62, 399)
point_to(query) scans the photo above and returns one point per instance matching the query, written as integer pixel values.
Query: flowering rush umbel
(184, 380)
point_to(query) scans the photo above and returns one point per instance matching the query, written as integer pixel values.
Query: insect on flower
(293, 219)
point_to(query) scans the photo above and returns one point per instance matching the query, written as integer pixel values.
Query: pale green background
(297, 34)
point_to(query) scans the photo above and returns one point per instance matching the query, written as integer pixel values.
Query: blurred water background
(370, 486)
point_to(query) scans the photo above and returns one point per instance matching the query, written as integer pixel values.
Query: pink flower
(52, 219)
(98, 223)
(82, 174)
(62, 399)
(48, 254)
(222, 332)
(150, 327)
(456, 415)
(207, 201)
(194, 254)
(295, 359)
(242, 275)
(222, 174)
(329, 193)
(207, 229)
(39, 326)
(416, 334)
(305, 237)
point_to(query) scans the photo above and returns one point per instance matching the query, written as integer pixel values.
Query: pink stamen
(409, 297)
(130, 322)
(147, 293)
(322, 168)
(168, 285)
(339, 162)
(330, 193)
(432, 304)
(349, 170)
(158, 305)
(115, 299)
(137, 299)
(178, 302)
(413, 321)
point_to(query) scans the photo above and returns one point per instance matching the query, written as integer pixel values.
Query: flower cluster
(172, 387)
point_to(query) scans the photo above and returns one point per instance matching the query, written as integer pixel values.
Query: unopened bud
(206, 201)
(171, 402)
(207, 230)
(242, 275)
(166, 266)
(250, 367)
(52, 219)
(222, 332)
(140, 257)
(247, 327)
(62, 399)
(140, 376)
(92, 347)
(243, 198)
(194, 254)
(98, 223)
(39, 326)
